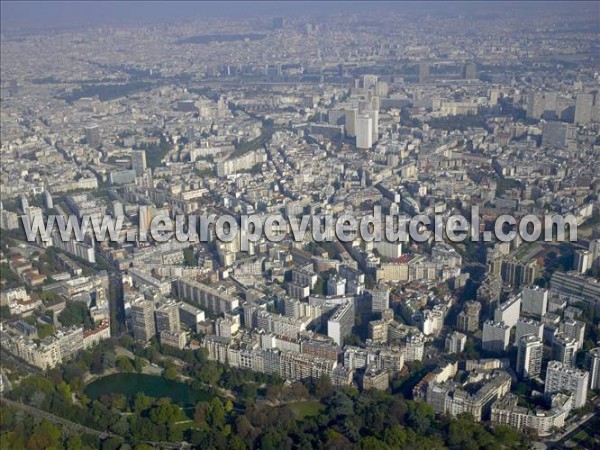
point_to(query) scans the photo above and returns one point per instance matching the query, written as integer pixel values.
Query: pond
(130, 384)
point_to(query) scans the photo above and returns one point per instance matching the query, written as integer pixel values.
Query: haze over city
(296, 225)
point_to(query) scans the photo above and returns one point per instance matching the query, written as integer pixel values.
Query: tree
(420, 416)
(45, 330)
(216, 413)
(44, 436)
(323, 387)
(170, 373)
(124, 364)
(139, 364)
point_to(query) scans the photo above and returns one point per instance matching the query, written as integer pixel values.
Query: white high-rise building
(341, 323)
(561, 378)
(351, 121)
(583, 108)
(496, 336)
(575, 329)
(380, 298)
(364, 132)
(527, 326)
(564, 349)
(142, 318)
(369, 81)
(455, 342)
(529, 356)
(594, 249)
(535, 300)
(508, 312)
(138, 162)
(582, 261)
(592, 364)
(374, 115)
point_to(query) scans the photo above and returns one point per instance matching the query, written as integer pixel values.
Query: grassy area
(308, 408)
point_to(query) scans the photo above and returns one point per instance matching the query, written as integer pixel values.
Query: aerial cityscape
(297, 225)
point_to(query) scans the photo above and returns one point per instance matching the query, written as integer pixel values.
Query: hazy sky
(45, 14)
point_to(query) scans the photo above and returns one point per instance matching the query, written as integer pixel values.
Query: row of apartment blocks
(311, 356)
(52, 350)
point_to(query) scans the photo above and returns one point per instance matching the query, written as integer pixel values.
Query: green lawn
(307, 408)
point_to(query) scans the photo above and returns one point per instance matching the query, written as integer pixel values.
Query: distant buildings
(92, 135)
(583, 108)
(364, 132)
(424, 73)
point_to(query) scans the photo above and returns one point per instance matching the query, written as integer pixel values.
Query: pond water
(130, 384)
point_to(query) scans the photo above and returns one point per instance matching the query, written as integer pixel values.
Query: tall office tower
(496, 336)
(375, 103)
(369, 81)
(145, 215)
(554, 134)
(468, 319)
(142, 318)
(49, 200)
(508, 312)
(138, 162)
(167, 317)
(382, 89)
(336, 116)
(535, 301)
(529, 356)
(92, 135)
(583, 108)
(423, 73)
(364, 132)
(564, 349)
(592, 365)
(550, 103)
(582, 261)
(594, 249)
(535, 105)
(351, 121)
(374, 115)
(470, 71)
(380, 296)
(561, 378)
(527, 326)
(24, 203)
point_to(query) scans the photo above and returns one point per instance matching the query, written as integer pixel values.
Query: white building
(341, 323)
(380, 296)
(592, 360)
(527, 326)
(508, 312)
(535, 300)
(564, 349)
(561, 378)
(496, 336)
(364, 132)
(529, 356)
(455, 343)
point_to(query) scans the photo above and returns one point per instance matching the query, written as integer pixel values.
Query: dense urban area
(312, 343)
